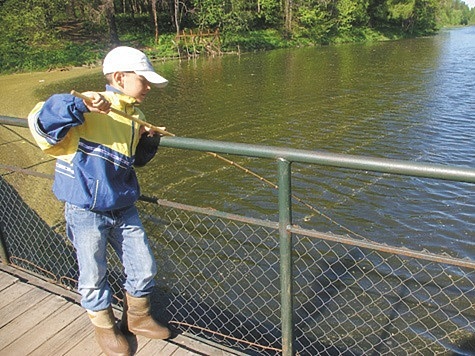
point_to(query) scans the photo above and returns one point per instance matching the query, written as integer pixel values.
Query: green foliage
(454, 13)
(30, 58)
(269, 14)
(425, 15)
(23, 28)
(165, 48)
(25, 24)
(351, 14)
(68, 55)
(315, 22)
(210, 13)
(138, 25)
(401, 10)
(37, 34)
(252, 40)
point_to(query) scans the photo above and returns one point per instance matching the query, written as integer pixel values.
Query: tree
(209, 13)
(109, 11)
(316, 20)
(425, 16)
(377, 13)
(270, 13)
(153, 5)
(287, 17)
(351, 14)
(401, 12)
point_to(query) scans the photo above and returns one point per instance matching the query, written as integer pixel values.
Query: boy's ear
(117, 78)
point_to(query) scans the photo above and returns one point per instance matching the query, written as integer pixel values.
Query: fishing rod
(224, 159)
(124, 114)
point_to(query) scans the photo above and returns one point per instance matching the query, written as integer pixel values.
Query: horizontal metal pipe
(383, 165)
(213, 212)
(371, 245)
(14, 121)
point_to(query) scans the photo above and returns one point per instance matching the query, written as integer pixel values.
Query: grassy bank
(74, 44)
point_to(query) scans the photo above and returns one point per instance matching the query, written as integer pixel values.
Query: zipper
(96, 189)
(132, 141)
(131, 147)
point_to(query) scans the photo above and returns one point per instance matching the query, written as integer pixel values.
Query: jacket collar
(122, 97)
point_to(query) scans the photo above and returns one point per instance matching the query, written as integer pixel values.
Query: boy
(96, 151)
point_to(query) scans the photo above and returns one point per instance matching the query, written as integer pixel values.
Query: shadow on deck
(37, 318)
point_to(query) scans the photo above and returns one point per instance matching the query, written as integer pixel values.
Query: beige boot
(136, 319)
(108, 336)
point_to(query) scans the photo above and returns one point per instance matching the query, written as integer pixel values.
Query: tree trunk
(288, 17)
(155, 18)
(177, 12)
(110, 17)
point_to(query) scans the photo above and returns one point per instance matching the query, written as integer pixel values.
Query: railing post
(3, 249)
(286, 280)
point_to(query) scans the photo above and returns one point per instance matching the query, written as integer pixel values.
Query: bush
(254, 41)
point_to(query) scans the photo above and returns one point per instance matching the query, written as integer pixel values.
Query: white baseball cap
(128, 59)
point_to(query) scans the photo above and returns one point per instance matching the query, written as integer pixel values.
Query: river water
(411, 99)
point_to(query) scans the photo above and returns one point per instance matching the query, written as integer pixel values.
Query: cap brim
(153, 78)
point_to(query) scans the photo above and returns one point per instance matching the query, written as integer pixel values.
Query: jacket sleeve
(146, 149)
(50, 121)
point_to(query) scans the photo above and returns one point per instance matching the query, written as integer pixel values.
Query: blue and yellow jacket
(96, 153)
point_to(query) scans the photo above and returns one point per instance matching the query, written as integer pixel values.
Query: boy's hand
(150, 131)
(97, 103)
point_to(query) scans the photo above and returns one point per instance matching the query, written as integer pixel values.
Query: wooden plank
(203, 346)
(6, 281)
(149, 347)
(154, 348)
(187, 352)
(27, 320)
(15, 308)
(30, 279)
(185, 344)
(13, 292)
(35, 322)
(86, 346)
(48, 325)
(73, 326)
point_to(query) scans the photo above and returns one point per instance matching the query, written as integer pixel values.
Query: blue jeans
(89, 231)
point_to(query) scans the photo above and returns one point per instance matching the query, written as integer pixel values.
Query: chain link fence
(219, 278)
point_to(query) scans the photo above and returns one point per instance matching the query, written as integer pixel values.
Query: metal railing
(267, 287)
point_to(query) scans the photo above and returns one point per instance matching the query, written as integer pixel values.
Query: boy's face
(134, 85)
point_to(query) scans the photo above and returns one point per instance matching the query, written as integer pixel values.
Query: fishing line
(224, 159)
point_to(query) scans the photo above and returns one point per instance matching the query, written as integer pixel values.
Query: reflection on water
(411, 99)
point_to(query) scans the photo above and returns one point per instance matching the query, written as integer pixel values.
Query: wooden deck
(38, 318)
